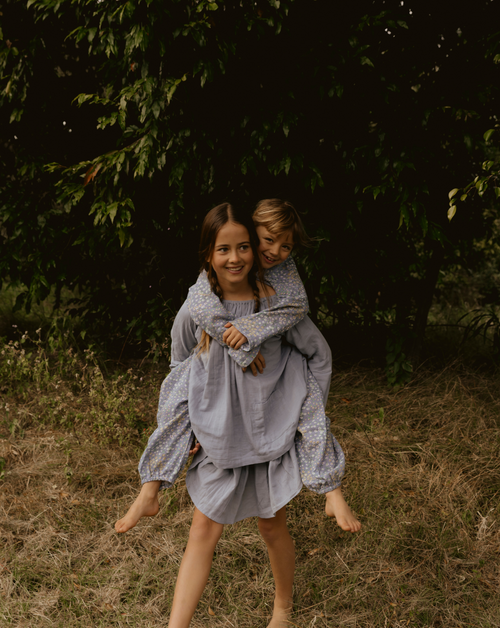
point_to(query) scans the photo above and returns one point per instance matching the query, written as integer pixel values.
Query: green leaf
(497, 192)
(155, 108)
(463, 197)
(452, 211)
(112, 209)
(366, 61)
(452, 193)
(488, 134)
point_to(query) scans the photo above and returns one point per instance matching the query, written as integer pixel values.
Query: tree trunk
(424, 302)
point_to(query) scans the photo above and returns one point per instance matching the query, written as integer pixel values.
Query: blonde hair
(278, 216)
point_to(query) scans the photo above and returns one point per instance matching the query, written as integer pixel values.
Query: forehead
(284, 237)
(232, 232)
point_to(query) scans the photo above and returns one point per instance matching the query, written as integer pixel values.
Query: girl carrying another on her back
(247, 464)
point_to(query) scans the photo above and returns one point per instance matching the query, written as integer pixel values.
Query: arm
(311, 343)
(183, 337)
(291, 307)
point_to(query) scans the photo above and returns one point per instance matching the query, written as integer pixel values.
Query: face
(274, 249)
(232, 258)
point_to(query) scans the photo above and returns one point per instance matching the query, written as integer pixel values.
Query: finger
(242, 341)
(239, 344)
(254, 369)
(244, 369)
(228, 325)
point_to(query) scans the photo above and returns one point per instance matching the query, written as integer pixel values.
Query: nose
(234, 256)
(275, 249)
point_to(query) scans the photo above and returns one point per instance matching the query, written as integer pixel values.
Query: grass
(423, 474)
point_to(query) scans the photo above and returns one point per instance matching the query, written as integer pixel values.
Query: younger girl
(279, 229)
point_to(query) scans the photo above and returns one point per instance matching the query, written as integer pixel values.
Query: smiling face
(232, 257)
(274, 249)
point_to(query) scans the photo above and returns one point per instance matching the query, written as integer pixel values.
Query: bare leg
(145, 505)
(337, 507)
(282, 556)
(194, 569)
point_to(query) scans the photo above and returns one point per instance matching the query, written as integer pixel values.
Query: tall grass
(423, 474)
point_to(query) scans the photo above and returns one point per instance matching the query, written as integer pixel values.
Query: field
(423, 475)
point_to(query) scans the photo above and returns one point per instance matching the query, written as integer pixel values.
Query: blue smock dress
(246, 425)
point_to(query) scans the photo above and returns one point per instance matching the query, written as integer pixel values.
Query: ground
(423, 475)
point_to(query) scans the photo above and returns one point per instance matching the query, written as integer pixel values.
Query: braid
(256, 295)
(204, 343)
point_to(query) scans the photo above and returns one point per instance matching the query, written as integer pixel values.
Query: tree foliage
(124, 122)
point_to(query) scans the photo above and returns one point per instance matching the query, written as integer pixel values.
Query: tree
(362, 117)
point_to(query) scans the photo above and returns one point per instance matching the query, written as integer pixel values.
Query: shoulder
(183, 320)
(265, 290)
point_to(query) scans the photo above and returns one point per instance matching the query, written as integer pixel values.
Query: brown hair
(278, 216)
(215, 219)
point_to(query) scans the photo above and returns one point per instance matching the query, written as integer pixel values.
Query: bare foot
(281, 618)
(146, 505)
(337, 507)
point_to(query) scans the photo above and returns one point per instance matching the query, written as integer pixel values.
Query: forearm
(290, 308)
(208, 313)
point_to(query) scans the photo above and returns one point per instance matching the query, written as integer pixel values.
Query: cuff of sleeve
(244, 358)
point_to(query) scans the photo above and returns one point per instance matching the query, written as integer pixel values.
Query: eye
(244, 247)
(223, 249)
(268, 239)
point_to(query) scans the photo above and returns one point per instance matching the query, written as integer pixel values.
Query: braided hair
(213, 223)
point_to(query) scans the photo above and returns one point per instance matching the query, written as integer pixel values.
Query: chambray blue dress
(246, 425)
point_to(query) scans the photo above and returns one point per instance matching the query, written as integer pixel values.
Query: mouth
(235, 270)
(268, 259)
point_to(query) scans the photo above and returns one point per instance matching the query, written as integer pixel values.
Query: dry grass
(423, 475)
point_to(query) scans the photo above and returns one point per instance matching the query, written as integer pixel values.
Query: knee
(271, 530)
(204, 530)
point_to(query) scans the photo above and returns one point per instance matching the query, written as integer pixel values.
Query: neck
(241, 291)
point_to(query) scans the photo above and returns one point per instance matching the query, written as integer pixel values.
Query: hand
(259, 364)
(233, 338)
(195, 448)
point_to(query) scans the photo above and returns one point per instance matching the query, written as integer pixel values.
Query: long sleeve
(321, 459)
(291, 307)
(183, 337)
(168, 447)
(311, 343)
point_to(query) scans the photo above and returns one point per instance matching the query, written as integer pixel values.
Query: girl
(246, 465)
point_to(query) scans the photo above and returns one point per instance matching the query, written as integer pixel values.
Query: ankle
(283, 605)
(150, 490)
